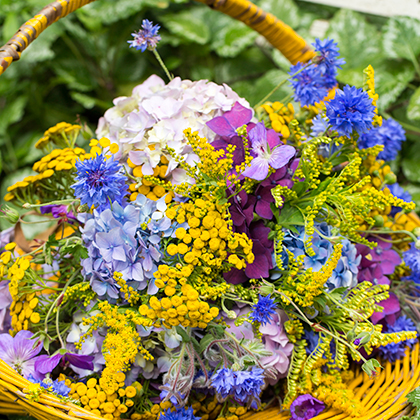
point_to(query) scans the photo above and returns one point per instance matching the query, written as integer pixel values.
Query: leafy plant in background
(77, 66)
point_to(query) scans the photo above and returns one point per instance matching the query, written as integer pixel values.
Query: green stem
(33, 206)
(159, 59)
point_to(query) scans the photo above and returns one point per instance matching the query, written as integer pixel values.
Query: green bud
(83, 208)
(416, 231)
(231, 314)
(10, 214)
(390, 178)
(267, 289)
(379, 220)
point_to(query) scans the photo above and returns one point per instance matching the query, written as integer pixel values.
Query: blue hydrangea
(390, 134)
(263, 310)
(350, 110)
(181, 413)
(243, 386)
(394, 351)
(145, 38)
(399, 192)
(412, 258)
(100, 181)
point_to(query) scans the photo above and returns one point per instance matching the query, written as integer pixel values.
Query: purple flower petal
(7, 353)
(280, 156)
(23, 346)
(80, 360)
(258, 169)
(46, 364)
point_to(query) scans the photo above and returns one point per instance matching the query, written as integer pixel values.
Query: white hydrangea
(156, 115)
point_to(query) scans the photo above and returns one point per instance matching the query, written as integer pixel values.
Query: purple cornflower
(394, 351)
(20, 353)
(412, 258)
(243, 386)
(268, 152)
(263, 310)
(179, 414)
(145, 38)
(99, 182)
(305, 407)
(351, 109)
(390, 134)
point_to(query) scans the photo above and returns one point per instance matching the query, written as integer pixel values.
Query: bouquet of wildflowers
(210, 258)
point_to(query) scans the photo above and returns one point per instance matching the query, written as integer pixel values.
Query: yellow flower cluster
(61, 135)
(80, 292)
(186, 310)
(130, 295)
(154, 413)
(280, 116)
(369, 87)
(103, 146)
(147, 187)
(122, 342)
(102, 401)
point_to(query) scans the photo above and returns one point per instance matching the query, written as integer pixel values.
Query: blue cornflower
(394, 351)
(308, 85)
(180, 414)
(412, 258)
(99, 182)
(58, 387)
(263, 310)
(327, 60)
(390, 134)
(399, 192)
(145, 38)
(351, 109)
(243, 386)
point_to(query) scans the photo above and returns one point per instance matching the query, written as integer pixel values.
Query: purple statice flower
(308, 85)
(268, 151)
(305, 407)
(46, 364)
(100, 182)
(351, 109)
(145, 38)
(327, 61)
(394, 351)
(399, 192)
(181, 413)
(263, 310)
(56, 386)
(390, 134)
(412, 258)
(21, 353)
(58, 212)
(243, 386)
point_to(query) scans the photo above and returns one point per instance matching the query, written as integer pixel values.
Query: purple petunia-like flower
(268, 152)
(305, 407)
(263, 310)
(351, 109)
(21, 353)
(145, 38)
(390, 134)
(99, 182)
(243, 386)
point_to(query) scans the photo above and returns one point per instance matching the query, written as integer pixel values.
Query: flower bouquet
(211, 260)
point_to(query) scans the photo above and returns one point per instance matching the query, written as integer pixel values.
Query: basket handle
(280, 35)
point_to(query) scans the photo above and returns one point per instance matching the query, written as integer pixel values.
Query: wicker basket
(383, 398)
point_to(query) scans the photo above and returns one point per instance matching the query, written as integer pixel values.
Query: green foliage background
(77, 66)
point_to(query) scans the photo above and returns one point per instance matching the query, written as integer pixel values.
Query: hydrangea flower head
(390, 134)
(179, 414)
(394, 351)
(264, 310)
(305, 407)
(412, 258)
(99, 182)
(351, 109)
(145, 38)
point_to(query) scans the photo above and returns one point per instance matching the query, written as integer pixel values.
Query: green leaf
(413, 110)
(185, 337)
(10, 26)
(87, 101)
(286, 10)
(400, 38)
(12, 112)
(391, 80)
(414, 397)
(190, 25)
(359, 44)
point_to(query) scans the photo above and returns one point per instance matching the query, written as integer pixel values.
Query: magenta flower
(20, 353)
(391, 310)
(269, 152)
(305, 407)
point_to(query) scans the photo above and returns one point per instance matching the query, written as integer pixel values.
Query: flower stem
(159, 59)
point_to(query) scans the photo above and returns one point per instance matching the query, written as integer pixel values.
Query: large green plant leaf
(286, 10)
(190, 25)
(390, 81)
(413, 110)
(359, 44)
(12, 112)
(401, 36)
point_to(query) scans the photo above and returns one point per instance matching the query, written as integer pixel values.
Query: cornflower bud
(10, 214)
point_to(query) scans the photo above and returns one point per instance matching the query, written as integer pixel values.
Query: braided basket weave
(383, 398)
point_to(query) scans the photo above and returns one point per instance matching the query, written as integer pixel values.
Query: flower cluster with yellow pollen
(147, 187)
(280, 116)
(103, 401)
(61, 135)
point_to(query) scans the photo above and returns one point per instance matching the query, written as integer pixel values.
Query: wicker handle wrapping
(280, 35)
